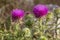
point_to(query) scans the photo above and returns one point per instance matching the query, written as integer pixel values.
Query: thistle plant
(39, 11)
(17, 17)
(33, 22)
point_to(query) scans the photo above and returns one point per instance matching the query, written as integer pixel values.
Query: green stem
(56, 26)
(40, 25)
(2, 37)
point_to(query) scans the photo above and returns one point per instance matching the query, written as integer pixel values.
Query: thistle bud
(49, 16)
(43, 38)
(57, 10)
(27, 32)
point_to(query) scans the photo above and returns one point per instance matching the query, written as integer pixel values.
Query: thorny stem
(40, 25)
(5, 28)
(56, 26)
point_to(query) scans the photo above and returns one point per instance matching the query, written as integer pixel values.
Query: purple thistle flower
(40, 10)
(17, 14)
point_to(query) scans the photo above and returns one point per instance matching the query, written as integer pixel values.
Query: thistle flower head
(17, 14)
(40, 10)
